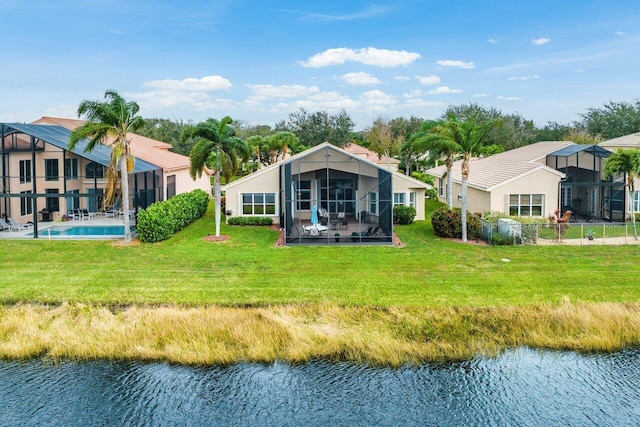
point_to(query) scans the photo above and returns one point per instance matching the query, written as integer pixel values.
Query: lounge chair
(4, 225)
(16, 226)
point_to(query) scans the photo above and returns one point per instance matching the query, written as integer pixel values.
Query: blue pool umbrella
(314, 215)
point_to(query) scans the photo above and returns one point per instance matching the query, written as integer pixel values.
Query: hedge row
(163, 219)
(249, 220)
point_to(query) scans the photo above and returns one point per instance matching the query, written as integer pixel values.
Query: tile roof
(147, 149)
(627, 141)
(493, 171)
(369, 155)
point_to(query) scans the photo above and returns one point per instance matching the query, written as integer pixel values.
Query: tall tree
(580, 136)
(279, 144)
(216, 145)
(318, 127)
(465, 137)
(612, 120)
(625, 162)
(434, 139)
(381, 140)
(109, 123)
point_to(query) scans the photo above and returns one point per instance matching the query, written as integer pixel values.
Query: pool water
(89, 231)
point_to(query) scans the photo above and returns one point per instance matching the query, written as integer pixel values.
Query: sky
(259, 61)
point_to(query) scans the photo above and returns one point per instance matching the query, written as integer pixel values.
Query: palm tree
(216, 146)
(110, 122)
(628, 163)
(438, 143)
(466, 138)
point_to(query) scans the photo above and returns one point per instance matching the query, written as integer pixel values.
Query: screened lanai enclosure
(331, 197)
(586, 191)
(43, 180)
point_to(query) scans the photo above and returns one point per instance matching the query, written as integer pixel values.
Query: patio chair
(16, 226)
(4, 225)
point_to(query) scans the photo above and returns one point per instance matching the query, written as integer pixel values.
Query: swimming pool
(82, 232)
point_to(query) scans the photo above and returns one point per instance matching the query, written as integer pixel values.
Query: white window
(636, 201)
(412, 199)
(71, 168)
(526, 204)
(26, 207)
(372, 203)
(25, 171)
(258, 204)
(566, 196)
(441, 186)
(398, 199)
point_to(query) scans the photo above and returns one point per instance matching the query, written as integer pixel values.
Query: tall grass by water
(299, 333)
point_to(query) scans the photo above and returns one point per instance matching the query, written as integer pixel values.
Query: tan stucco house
(42, 179)
(537, 179)
(350, 194)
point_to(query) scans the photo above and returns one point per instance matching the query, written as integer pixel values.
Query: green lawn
(249, 270)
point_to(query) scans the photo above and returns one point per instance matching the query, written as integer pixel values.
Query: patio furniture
(4, 225)
(16, 226)
(110, 213)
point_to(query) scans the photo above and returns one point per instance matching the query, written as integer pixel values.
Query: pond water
(521, 388)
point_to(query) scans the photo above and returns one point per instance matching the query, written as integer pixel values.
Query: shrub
(448, 223)
(163, 219)
(250, 220)
(404, 214)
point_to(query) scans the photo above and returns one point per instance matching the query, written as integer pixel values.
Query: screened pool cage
(353, 200)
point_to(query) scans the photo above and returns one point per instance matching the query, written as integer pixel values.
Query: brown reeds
(298, 333)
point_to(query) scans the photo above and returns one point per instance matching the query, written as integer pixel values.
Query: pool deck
(98, 220)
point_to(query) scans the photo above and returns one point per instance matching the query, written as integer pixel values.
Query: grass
(192, 301)
(249, 270)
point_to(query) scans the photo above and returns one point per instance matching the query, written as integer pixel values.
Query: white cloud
(369, 56)
(413, 94)
(619, 33)
(492, 41)
(205, 84)
(456, 63)
(444, 90)
(508, 98)
(265, 92)
(580, 70)
(428, 80)
(419, 103)
(534, 76)
(377, 97)
(330, 101)
(360, 79)
(402, 78)
(480, 95)
(540, 41)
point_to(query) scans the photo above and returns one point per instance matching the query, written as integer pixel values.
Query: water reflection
(522, 387)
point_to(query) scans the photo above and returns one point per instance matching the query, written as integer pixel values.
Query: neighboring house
(340, 184)
(39, 172)
(373, 157)
(175, 167)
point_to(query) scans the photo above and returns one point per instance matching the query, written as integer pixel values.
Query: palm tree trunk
(124, 185)
(216, 197)
(449, 188)
(463, 214)
(633, 215)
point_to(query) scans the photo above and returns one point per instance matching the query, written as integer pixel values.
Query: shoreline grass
(391, 336)
(186, 300)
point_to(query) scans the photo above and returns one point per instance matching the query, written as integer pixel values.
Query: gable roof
(490, 172)
(150, 150)
(59, 137)
(415, 182)
(627, 141)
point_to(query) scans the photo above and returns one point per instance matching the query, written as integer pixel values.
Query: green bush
(502, 240)
(163, 219)
(249, 220)
(404, 214)
(448, 223)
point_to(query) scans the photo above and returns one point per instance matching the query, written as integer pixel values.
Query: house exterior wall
(265, 181)
(184, 182)
(539, 182)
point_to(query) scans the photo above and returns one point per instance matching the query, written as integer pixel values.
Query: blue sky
(258, 61)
